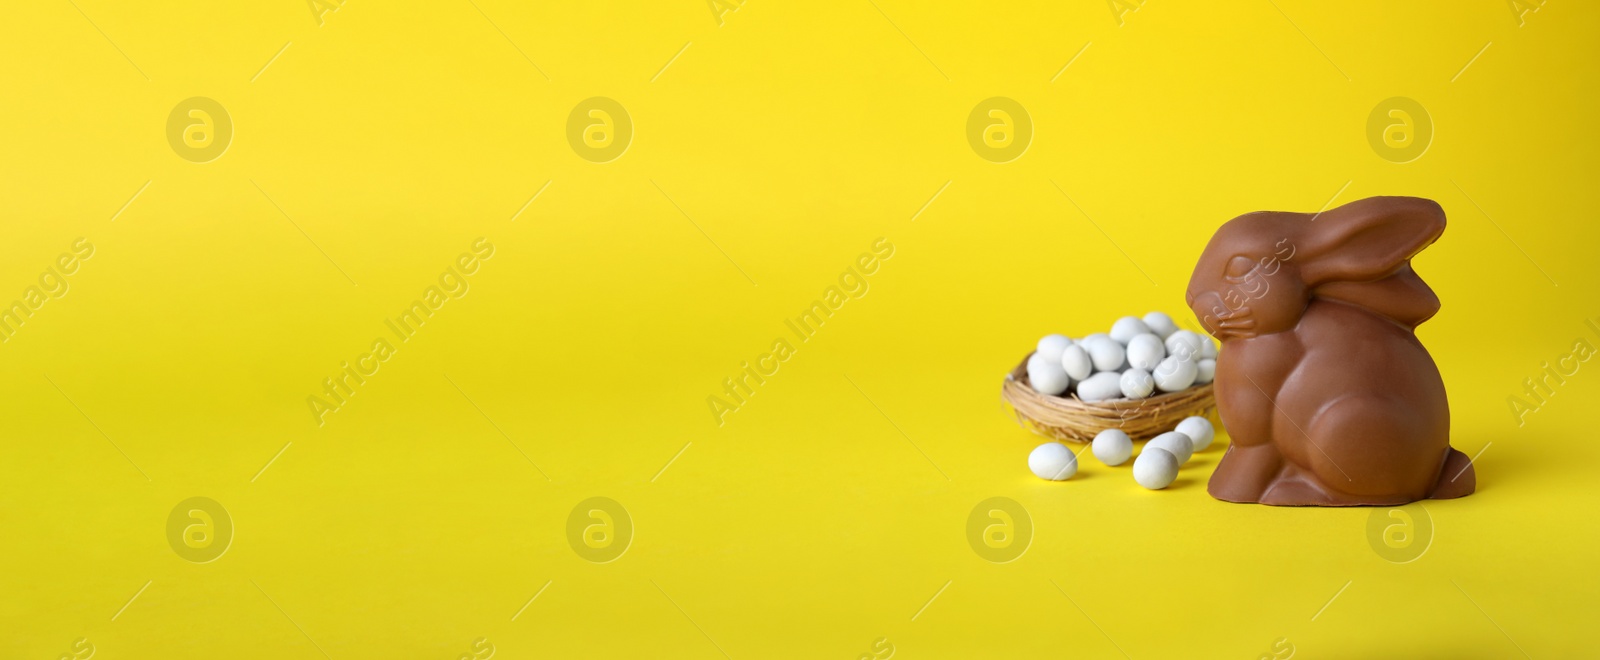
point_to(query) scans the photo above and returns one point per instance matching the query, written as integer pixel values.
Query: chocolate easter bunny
(1328, 396)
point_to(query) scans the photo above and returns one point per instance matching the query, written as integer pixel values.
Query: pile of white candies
(1137, 358)
(1155, 468)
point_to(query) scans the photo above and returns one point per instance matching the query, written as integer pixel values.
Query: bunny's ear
(1369, 239)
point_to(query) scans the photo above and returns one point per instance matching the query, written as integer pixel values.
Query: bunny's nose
(1209, 307)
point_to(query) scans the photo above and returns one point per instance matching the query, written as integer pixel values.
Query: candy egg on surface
(1155, 468)
(1184, 343)
(1205, 371)
(1136, 383)
(1199, 429)
(1112, 447)
(1145, 351)
(1107, 355)
(1050, 346)
(1127, 327)
(1177, 442)
(1101, 386)
(1046, 376)
(1075, 360)
(1053, 461)
(1175, 374)
(1208, 347)
(1161, 324)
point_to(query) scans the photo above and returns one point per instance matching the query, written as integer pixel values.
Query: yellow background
(791, 135)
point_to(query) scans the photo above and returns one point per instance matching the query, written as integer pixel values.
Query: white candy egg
(1177, 442)
(1053, 461)
(1106, 354)
(1198, 429)
(1077, 363)
(1175, 373)
(1184, 343)
(1145, 351)
(1155, 468)
(1208, 348)
(1205, 371)
(1046, 376)
(1096, 338)
(1101, 386)
(1112, 447)
(1050, 346)
(1136, 383)
(1161, 324)
(1128, 327)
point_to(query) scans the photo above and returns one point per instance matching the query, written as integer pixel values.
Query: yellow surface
(772, 144)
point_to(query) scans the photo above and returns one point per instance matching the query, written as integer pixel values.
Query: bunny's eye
(1239, 267)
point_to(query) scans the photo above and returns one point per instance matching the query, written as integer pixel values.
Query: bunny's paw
(1244, 473)
(1294, 489)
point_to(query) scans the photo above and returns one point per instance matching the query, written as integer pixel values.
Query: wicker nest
(1070, 418)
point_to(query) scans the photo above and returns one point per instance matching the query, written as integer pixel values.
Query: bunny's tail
(1457, 479)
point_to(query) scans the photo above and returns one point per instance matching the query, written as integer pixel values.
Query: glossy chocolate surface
(1327, 394)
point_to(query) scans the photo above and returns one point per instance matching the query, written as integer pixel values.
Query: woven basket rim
(1076, 420)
